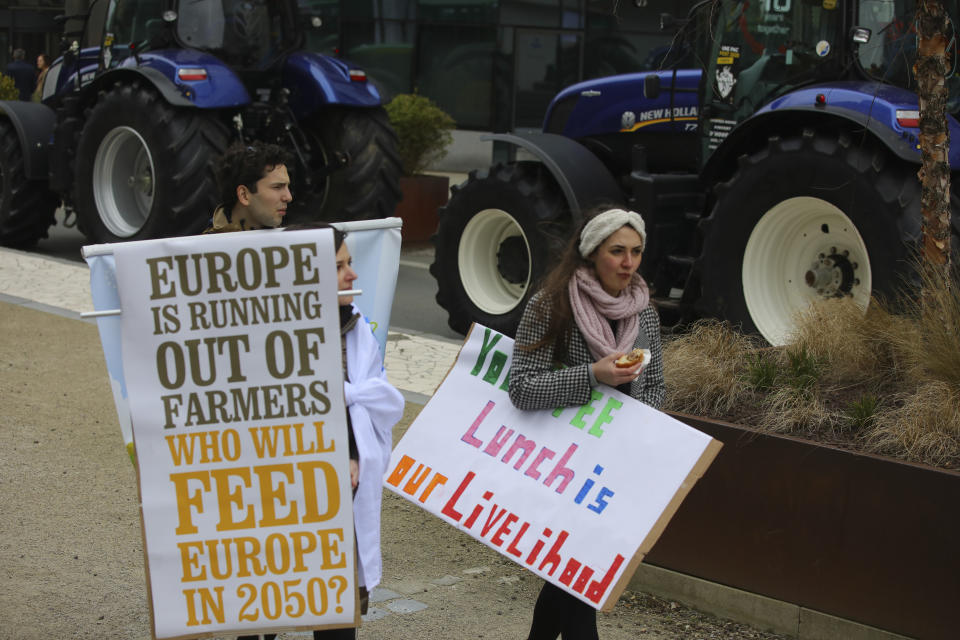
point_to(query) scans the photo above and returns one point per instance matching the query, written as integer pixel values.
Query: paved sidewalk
(415, 363)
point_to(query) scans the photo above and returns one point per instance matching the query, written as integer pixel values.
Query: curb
(750, 608)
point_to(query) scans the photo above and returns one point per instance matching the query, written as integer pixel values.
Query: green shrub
(8, 89)
(423, 131)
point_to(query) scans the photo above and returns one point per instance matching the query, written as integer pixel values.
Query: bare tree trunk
(930, 70)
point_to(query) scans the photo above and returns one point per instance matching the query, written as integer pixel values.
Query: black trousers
(557, 613)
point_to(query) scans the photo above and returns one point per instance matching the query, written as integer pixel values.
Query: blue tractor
(773, 153)
(127, 131)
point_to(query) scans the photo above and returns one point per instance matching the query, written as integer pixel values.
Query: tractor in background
(773, 156)
(128, 129)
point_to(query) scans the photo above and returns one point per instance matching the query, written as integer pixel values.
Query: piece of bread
(633, 358)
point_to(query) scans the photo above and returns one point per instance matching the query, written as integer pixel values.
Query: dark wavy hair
(554, 300)
(246, 164)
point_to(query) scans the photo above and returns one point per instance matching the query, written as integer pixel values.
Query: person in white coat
(374, 406)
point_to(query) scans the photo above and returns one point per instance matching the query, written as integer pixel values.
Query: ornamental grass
(884, 382)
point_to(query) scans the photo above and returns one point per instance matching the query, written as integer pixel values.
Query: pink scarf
(593, 308)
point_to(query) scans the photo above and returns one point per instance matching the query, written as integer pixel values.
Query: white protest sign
(232, 360)
(103, 291)
(375, 249)
(578, 495)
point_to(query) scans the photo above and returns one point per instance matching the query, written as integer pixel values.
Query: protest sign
(103, 291)
(374, 246)
(232, 361)
(577, 495)
(375, 249)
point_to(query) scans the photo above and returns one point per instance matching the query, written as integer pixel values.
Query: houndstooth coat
(536, 384)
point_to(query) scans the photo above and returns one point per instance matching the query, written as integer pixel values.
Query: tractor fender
(220, 88)
(583, 179)
(843, 104)
(34, 124)
(316, 81)
(169, 91)
(762, 126)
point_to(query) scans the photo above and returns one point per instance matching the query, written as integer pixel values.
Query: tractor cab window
(892, 49)
(247, 33)
(762, 48)
(130, 24)
(890, 53)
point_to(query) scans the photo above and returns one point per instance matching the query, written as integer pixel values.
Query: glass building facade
(493, 65)
(29, 25)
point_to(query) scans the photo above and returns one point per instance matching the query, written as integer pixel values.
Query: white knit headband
(601, 226)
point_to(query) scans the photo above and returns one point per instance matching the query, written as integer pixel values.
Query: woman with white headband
(593, 308)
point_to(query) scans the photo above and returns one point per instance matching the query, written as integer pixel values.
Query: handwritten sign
(577, 495)
(231, 354)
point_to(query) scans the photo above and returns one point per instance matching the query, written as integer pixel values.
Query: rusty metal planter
(422, 196)
(857, 536)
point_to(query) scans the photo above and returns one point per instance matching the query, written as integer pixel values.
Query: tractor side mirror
(651, 86)
(860, 35)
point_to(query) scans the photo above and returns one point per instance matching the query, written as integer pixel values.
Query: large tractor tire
(808, 217)
(26, 207)
(494, 239)
(368, 185)
(144, 168)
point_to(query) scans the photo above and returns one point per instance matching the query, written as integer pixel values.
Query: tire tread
(185, 190)
(28, 210)
(524, 190)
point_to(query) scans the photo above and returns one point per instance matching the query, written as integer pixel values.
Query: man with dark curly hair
(254, 194)
(254, 187)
